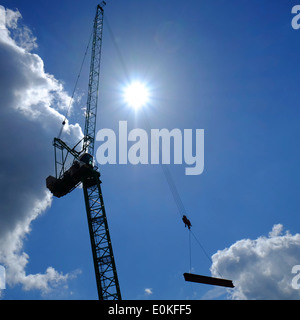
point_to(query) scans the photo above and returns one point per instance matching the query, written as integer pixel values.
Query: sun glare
(136, 95)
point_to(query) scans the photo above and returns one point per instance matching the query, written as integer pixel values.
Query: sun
(136, 95)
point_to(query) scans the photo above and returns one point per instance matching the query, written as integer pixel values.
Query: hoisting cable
(171, 184)
(190, 251)
(174, 191)
(117, 48)
(176, 196)
(201, 246)
(166, 172)
(205, 252)
(75, 86)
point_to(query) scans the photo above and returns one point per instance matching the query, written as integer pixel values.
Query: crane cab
(87, 159)
(81, 168)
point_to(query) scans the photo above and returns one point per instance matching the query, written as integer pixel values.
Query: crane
(75, 165)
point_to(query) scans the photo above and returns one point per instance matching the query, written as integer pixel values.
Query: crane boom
(93, 89)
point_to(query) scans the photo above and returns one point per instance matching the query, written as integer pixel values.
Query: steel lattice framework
(104, 262)
(93, 89)
(73, 167)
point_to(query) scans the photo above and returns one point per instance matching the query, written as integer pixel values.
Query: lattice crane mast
(73, 167)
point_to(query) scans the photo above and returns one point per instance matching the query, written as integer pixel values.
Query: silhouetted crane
(73, 167)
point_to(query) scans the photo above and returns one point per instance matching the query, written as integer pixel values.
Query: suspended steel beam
(208, 280)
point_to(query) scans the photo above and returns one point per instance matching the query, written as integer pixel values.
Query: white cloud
(10, 19)
(30, 106)
(10, 30)
(261, 268)
(148, 291)
(214, 293)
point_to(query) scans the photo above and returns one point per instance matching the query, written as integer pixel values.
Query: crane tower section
(104, 262)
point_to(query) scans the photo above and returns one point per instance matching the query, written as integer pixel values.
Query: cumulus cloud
(261, 269)
(31, 102)
(148, 291)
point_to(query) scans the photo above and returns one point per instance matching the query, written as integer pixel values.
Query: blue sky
(228, 67)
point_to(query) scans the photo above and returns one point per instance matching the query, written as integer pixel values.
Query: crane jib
(93, 87)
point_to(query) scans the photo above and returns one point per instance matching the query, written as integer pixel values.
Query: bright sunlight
(136, 95)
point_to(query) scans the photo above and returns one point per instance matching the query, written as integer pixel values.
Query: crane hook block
(187, 222)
